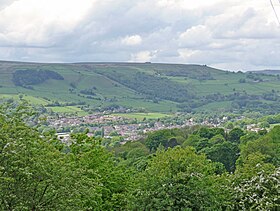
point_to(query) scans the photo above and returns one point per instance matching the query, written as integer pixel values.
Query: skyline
(232, 35)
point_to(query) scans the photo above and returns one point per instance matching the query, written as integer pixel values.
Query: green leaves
(268, 145)
(178, 178)
(261, 192)
(37, 172)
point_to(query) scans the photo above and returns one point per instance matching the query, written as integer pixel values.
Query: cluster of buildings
(109, 126)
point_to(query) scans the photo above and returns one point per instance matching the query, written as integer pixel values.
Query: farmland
(144, 87)
(141, 116)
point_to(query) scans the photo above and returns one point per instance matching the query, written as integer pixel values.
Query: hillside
(268, 72)
(142, 86)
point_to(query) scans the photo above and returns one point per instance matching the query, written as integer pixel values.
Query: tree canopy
(211, 170)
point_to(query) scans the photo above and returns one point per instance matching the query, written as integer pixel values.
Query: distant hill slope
(142, 86)
(267, 72)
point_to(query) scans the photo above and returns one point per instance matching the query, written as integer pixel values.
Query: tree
(267, 145)
(229, 125)
(197, 142)
(33, 174)
(235, 135)
(264, 124)
(156, 138)
(224, 152)
(104, 183)
(176, 179)
(40, 173)
(210, 132)
(261, 192)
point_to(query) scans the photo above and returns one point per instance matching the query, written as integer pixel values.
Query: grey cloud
(5, 3)
(213, 35)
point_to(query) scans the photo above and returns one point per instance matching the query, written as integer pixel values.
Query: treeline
(274, 119)
(33, 77)
(198, 72)
(89, 91)
(194, 73)
(241, 101)
(188, 169)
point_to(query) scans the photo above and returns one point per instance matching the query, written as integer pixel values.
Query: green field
(141, 116)
(31, 99)
(216, 106)
(158, 88)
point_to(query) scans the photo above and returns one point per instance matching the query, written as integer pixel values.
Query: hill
(139, 86)
(268, 72)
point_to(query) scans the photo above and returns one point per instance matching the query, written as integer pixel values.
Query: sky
(228, 34)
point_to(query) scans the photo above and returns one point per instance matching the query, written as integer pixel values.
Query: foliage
(107, 181)
(33, 77)
(38, 172)
(176, 179)
(235, 135)
(166, 138)
(268, 145)
(33, 173)
(213, 142)
(224, 152)
(261, 192)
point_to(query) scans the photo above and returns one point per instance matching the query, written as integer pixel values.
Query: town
(129, 129)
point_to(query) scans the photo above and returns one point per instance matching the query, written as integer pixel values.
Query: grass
(141, 116)
(216, 106)
(28, 98)
(9, 96)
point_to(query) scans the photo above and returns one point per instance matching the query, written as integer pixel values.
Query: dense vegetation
(32, 77)
(194, 168)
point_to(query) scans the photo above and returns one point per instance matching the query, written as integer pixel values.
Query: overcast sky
(228, 34)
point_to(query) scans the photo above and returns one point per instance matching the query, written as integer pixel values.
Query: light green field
(217, 106)
(12, 96)
(35, 100)
(141, 116)
(28, 98)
